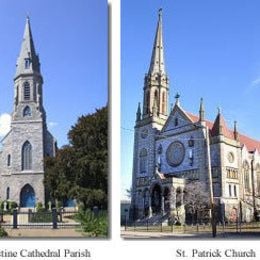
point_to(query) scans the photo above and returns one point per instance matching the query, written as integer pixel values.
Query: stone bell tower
(28, 142)
(150, 120)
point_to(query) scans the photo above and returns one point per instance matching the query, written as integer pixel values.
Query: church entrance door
(156, 199)
(27, 197)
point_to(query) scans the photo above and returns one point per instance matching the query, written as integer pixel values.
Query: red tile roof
(250, 143)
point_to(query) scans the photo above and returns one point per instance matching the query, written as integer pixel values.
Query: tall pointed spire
(156, 82)
(157, 60)
(138, 112)
(28, 60)
(220, 127)
(236, 134)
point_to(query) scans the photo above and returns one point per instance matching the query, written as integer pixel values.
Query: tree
(196, 200)
(80, 169)
(129, 192)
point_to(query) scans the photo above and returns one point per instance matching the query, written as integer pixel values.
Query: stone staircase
(155, 219)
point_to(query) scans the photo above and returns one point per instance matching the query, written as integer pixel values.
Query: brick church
(175, 149)
(28, 141)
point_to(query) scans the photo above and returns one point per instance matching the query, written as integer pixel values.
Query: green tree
(80, 169)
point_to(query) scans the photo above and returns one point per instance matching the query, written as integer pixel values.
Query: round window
(175, 153)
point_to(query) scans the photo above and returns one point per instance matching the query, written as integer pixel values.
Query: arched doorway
(156, 199)
(27, 197)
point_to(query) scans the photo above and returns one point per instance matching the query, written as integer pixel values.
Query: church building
(174, 149)
(28, 142)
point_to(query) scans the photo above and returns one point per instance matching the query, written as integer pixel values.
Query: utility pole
(212, 206)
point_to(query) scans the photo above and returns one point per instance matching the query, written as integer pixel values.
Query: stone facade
(22, 169)
(175, 150)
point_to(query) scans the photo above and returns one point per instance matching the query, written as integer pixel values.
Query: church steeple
(28, 60)
(156, 89)
(157, 60)
(28, 80)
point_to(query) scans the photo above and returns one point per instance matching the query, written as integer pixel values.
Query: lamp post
(212, 205)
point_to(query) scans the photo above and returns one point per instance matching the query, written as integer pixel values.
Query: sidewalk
(191, 236)
(42, 233)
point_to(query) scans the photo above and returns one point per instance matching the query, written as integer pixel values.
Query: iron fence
(222, 228)
(61, 218)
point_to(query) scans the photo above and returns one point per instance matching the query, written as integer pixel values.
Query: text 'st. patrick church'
(176, 152)
(28, 142)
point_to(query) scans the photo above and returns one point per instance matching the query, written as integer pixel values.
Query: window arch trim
(26, 156)
(26, 91)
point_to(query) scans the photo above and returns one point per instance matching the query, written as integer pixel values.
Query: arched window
(27, 111)
(246, 176)
(235, 190)
(156, 98)
(155, 95)
(8, 160)
(147, 102)
(27, 63)
(27, 156)
(258, 179)
(230, 192)
(176, 121)
(26, 91)
(163, 103)
(8, 193)
(17, 95)
(143, 160)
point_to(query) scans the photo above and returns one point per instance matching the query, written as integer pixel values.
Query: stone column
(172, 202)
(182, 197)
(150, 207)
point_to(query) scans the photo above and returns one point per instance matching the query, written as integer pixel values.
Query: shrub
(93, 225)
(12, 205)
(39, 206)
(3, 233)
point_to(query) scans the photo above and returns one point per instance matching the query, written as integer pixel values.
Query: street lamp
(212, 204)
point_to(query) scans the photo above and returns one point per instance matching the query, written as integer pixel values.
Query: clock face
(231, 157)
(144, 133)
(175, 153)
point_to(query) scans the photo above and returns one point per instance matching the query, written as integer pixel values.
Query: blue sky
(71, 38)
(212, 50)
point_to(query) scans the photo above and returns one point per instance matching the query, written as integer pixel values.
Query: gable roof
(249, 142)
(183, 113)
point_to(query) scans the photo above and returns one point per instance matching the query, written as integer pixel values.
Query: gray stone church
(28, 141)
(177, 149)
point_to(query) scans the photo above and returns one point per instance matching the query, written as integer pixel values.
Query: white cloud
(5, 124)
(52, 124)
(256, 83)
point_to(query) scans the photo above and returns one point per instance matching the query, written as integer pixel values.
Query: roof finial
(201, 111)
(219, 110)
(138, 113)
(236, 135)
(160, 13)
